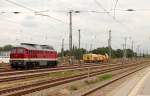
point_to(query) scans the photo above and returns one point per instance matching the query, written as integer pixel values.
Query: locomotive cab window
(13, 51)
(20, 50)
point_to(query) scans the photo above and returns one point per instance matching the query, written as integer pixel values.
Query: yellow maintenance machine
(95, 58)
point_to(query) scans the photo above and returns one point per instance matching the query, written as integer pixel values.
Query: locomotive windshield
(13, 51)
(20, 51)
(17, 50)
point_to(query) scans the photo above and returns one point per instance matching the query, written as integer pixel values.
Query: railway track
(14, 72)
(8, 78)
(44, 72)
(17, 91)
(8, 71)
(116, 77)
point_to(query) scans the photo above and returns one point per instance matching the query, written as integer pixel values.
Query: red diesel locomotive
(32, 56)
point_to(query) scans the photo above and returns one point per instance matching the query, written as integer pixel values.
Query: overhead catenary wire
(35, 11)
(142, 10)
(107, 12)
(113, 3)
(40, 13)
(82, 11)
(101, 6)
(20, 5)
(115, 8)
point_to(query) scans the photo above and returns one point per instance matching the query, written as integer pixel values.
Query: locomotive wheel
(49, 64)
(28, 65)
(55, 64)
(16, 68)
(37, 64)
(34, 65)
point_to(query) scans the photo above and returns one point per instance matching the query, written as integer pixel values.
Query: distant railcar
(33, 56)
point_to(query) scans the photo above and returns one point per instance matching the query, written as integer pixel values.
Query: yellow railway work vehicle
(95, 58)
(101, 58)
(90, 58)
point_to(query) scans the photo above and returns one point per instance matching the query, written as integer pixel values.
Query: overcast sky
(30, 27)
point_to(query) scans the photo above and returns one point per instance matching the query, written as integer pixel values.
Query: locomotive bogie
(32, 64)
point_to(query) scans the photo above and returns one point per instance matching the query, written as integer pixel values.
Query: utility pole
(147, 52)
(70, 32)
(91, 47)
(143, 54)
(138, 51)
(125, 52)
(132, 47)
(79, 38)
(62, 50)
(79, 51)
(70, 36)
(109, 45)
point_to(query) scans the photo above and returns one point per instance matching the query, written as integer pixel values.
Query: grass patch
(104, 77)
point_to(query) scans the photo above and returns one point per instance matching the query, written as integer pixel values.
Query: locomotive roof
(36, 46)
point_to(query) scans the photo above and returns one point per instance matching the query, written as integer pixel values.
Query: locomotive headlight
(20, 62)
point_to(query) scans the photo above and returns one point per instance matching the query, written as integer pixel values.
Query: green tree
(118, 53)
(1, 48)
(78, 53)
(130, 53)
(7, 47)
(102, 50)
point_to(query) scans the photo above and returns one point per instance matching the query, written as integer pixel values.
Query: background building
(4, 56)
